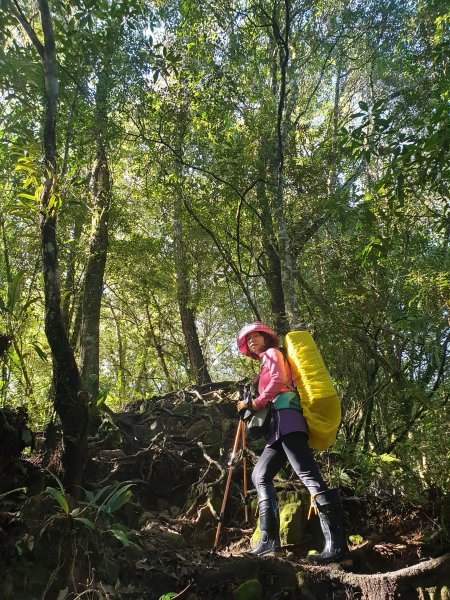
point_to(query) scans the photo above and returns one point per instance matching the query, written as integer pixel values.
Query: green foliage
(381, 476)
(22, 490)
(95, 513)
(356, 539)
(114, 498)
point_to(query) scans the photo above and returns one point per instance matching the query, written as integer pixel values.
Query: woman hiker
(288, 440)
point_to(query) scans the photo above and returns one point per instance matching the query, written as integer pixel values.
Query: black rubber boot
(269, 539)
(277, 524)
(272, 496)
(331, 517)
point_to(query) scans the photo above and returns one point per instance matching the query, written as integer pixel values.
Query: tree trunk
(272, 274)
(333, 172)
(187, 315)
(121, 350)
(70, 400)
(158, 347)
(281, 36)
(95, 270)
(5, 336)
(69, 301)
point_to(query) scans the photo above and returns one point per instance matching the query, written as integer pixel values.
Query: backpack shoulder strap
(290, 384)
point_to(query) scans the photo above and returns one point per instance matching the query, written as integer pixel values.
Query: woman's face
(256, 342)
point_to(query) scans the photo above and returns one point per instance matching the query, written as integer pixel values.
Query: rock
(292, 517)
(176, 540)
(205, 528)
(198, 429)
(249, 590)
(292, 507)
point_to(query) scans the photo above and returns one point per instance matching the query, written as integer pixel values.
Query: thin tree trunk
(140, 387)
(5, 335)
(70, 400)
(187, 315)
(95, 270)
(122, 359)
(272, 275)
(93, 283)
(5, 251)
(332, 175)
(28, 387)
(226, 255)
(158, 347)
(287, 275)
(77, 309)
(197, 363)
(69, 284)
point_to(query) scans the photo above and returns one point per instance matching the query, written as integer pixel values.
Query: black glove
(247, 395)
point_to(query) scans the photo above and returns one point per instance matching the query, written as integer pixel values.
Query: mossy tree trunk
(70, 400)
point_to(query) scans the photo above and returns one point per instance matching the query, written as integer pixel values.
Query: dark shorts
(284, 422)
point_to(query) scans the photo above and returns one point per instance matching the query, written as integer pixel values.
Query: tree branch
(18, 13)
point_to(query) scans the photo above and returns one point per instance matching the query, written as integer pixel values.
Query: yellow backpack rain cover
(319, 400)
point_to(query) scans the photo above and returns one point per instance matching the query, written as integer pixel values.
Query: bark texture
(272, 269)
(187, 315)
(95, 270)
(70, 400)
(281, 35)
(98, 247)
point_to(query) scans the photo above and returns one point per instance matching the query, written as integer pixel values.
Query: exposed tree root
(423, 581)
(320, 582)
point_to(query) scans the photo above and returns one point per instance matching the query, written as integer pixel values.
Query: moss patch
(292, 518)
(292, 506)
(249, 590)
(175, 540)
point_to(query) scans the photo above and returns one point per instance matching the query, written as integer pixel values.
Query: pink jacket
(274, 378)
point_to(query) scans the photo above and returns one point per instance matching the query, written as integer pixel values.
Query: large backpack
(319, 400)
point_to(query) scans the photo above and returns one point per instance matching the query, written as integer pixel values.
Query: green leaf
(25, 168)
(363, 106)
(118, 499)
(14, 291)
(58, 480)
(90, 499)
(89, 524)
(42, 355)
(21, 489)
(121, 536)
(27, 196)
(100, 493)
(60, 498)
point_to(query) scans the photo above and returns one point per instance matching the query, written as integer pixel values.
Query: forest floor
(146, 525)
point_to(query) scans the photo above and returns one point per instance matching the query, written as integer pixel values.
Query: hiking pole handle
(246, 403)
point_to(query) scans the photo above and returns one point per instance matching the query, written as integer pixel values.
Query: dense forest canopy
(201, 165)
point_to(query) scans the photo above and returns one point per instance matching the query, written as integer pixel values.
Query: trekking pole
(239, 431)
(244, 466)
(244, 416)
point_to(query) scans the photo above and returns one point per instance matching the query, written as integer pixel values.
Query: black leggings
(293, 448)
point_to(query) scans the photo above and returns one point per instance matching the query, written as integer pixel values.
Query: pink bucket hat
(242, 336)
